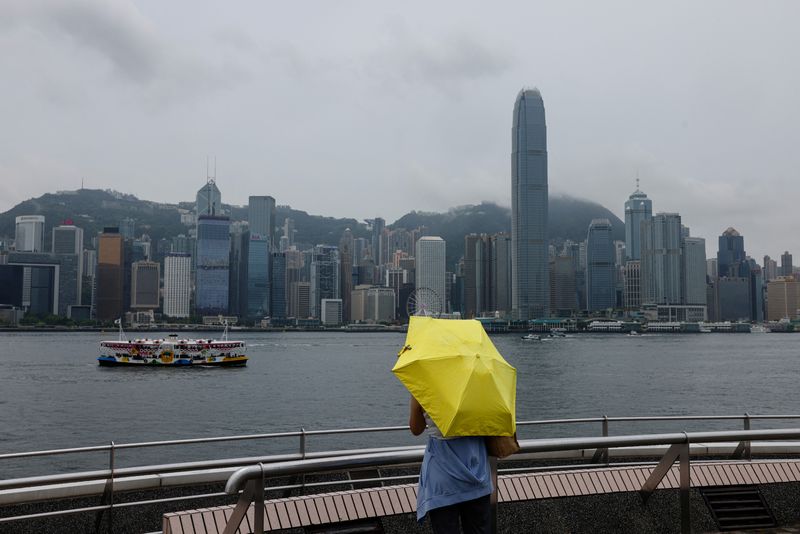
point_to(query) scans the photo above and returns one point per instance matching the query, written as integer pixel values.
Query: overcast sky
(375, 108)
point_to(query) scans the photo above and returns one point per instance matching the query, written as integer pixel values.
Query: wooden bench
(343, 506)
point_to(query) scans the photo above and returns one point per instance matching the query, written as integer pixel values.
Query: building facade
(29, 233)
(213, 265)
(145, 285)
(638, 208)
(600, 259)
(529, 207)
(661, 259)
(177, 285)
(430, 271)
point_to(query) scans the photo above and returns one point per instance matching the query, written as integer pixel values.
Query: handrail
(361, 430)
(250, 480)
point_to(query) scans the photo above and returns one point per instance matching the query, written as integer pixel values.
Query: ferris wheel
(424, 301)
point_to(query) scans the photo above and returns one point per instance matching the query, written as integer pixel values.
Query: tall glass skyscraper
(258, 276)
(638, 208)
(213, 265)
(599, 266)
(530, 292)
(731, 253)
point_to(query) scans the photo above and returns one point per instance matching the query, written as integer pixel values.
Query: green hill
(93, 209)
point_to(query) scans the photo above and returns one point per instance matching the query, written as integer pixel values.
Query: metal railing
(250, 481)
(108, 480)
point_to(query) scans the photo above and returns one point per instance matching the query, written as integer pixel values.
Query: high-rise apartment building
(29, 233)
(430, 272)
(530, 289)
(213, 265)
(177, 284)
(638, 208)
(600, 274)
(145, 288)
(110, 275)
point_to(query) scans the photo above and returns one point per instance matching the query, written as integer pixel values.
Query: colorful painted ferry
(173, 352)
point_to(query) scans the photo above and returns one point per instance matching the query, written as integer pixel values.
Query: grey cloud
(114, 30)
(452, 59)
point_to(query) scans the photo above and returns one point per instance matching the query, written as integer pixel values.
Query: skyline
(136, 100)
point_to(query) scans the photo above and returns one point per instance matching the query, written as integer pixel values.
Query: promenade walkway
(375, 503)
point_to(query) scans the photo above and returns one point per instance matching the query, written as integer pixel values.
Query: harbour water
(54, 395)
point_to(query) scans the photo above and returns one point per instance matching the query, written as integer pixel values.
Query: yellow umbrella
(455, 372)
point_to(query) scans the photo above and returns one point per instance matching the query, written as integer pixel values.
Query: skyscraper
(213, 263)
(145, 278)
(68, 239)
(731, 253)
(261, 216)
(208, 200)
(177, 284)
(786, 264)
(324, 277)
(530, 289)
(258, 276)
(638, 208)
(430, 271)
(29, 234)
(110, 275)
(600, 266)
(661, 259)
(378, 226)
(693, 277)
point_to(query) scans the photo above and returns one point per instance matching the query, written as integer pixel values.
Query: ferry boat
(173, 352)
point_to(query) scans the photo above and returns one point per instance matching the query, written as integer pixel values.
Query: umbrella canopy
(455, 372)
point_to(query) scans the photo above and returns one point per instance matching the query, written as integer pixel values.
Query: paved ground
(779, 530)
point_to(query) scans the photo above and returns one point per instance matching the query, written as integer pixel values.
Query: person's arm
(416, 418)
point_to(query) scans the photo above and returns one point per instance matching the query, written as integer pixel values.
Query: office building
(430, 273)
(145, 286)
(501, 272)
(177, 284)
(300, 300)
(346, 272)
(783, 299)
(213, 265)
(127, 228)
(277, 293)
(632, 294)
(110, 275)
(261, 216)
(67, 239)
(208, 200)
(563, 296)
(693, 281)
(786, 264)
(258, 276)
(600, 273)
(29, 233)
(331, 312)
(324, 277)
(381, 304)
(530, 288)
(638, 208)
(661, 259)
(770, 269)
(731, 253)
(378, 252)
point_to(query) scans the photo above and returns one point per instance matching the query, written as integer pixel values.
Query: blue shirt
(453, 470)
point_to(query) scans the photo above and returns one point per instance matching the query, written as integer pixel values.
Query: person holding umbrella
(461, 390)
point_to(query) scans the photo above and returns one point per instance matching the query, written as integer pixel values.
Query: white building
(331, 310)
(29, 235)
(430, 271)
(177, 284)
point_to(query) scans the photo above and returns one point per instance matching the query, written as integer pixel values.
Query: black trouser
(475, 516)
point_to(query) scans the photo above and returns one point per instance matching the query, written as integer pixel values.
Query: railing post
(303, 443)
(685, 480)
(601, 455)
(493, 495)
(111, 462)
(747, 452)
(259, 503)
